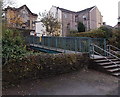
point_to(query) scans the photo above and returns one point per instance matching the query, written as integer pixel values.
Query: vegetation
(81, 27)
(41, 65)
(96, 33)
(102, 32)
(6, 3)
(13, 45)
(112, 35)
(51, 23)
(115, 39)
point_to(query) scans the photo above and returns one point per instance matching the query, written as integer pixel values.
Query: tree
(51, 23)
(81, 27)
(13, 19)
(6, 3)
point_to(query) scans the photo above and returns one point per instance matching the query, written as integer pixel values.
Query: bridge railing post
(80, 44)
(75, 45)
(89, 46)
(105, 47)
(56, 42)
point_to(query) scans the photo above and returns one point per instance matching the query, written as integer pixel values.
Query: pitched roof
(65, 10)
(15, 9)
(87, 10)
(69, 11)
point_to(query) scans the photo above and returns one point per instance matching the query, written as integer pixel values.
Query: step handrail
(113, 47)
(106, 58)
(104, 51)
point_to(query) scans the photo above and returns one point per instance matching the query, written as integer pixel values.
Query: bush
(81, 27)
(41, 65)
(115, 39)
(97, 33)
(107, 31)
(102, 32)
(13, 45)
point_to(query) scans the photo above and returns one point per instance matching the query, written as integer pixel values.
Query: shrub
(41, 65)
(81, 27)
(102, 32)
(107, 31)
(115, 39)
(13, 45)
(97, 33)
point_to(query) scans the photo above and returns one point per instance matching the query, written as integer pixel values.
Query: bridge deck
(55, 49)
(63, 51)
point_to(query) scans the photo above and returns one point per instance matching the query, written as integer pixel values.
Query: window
(76, 18)
(65, 15)
(28, 22)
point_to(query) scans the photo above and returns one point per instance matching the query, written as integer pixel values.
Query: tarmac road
(85, 82)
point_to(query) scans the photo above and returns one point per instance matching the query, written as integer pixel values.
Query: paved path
(77, 83)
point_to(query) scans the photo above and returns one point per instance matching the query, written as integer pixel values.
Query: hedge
(102, 32)
(42, 65)
(93, 34)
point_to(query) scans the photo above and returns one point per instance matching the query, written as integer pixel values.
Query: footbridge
(66, 44)
(104, 56)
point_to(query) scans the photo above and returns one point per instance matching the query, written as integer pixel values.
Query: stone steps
(109, 64)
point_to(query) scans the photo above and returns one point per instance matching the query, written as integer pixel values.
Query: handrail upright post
(93, 50)
(109, 49)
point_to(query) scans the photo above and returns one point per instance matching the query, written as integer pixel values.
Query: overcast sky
(108, 8)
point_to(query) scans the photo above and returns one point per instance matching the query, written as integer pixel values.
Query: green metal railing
(78, 44)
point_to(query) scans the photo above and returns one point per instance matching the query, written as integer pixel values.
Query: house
(90, 17)
(40, 29)
(21, 18)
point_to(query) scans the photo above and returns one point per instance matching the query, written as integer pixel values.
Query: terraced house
(90, 17)
(21, 18)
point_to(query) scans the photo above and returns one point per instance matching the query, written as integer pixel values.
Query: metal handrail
(106, 52)
(113, 47)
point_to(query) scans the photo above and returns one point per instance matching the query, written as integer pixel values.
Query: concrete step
(110, 66)
(105, 60)
(113, 70)
(116, 74)
(109, 63)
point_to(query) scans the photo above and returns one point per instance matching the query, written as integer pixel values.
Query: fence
(79, 44)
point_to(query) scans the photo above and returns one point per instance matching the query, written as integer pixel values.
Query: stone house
(21, 18)
(90, 17)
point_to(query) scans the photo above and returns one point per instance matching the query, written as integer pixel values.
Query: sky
(108, 8)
